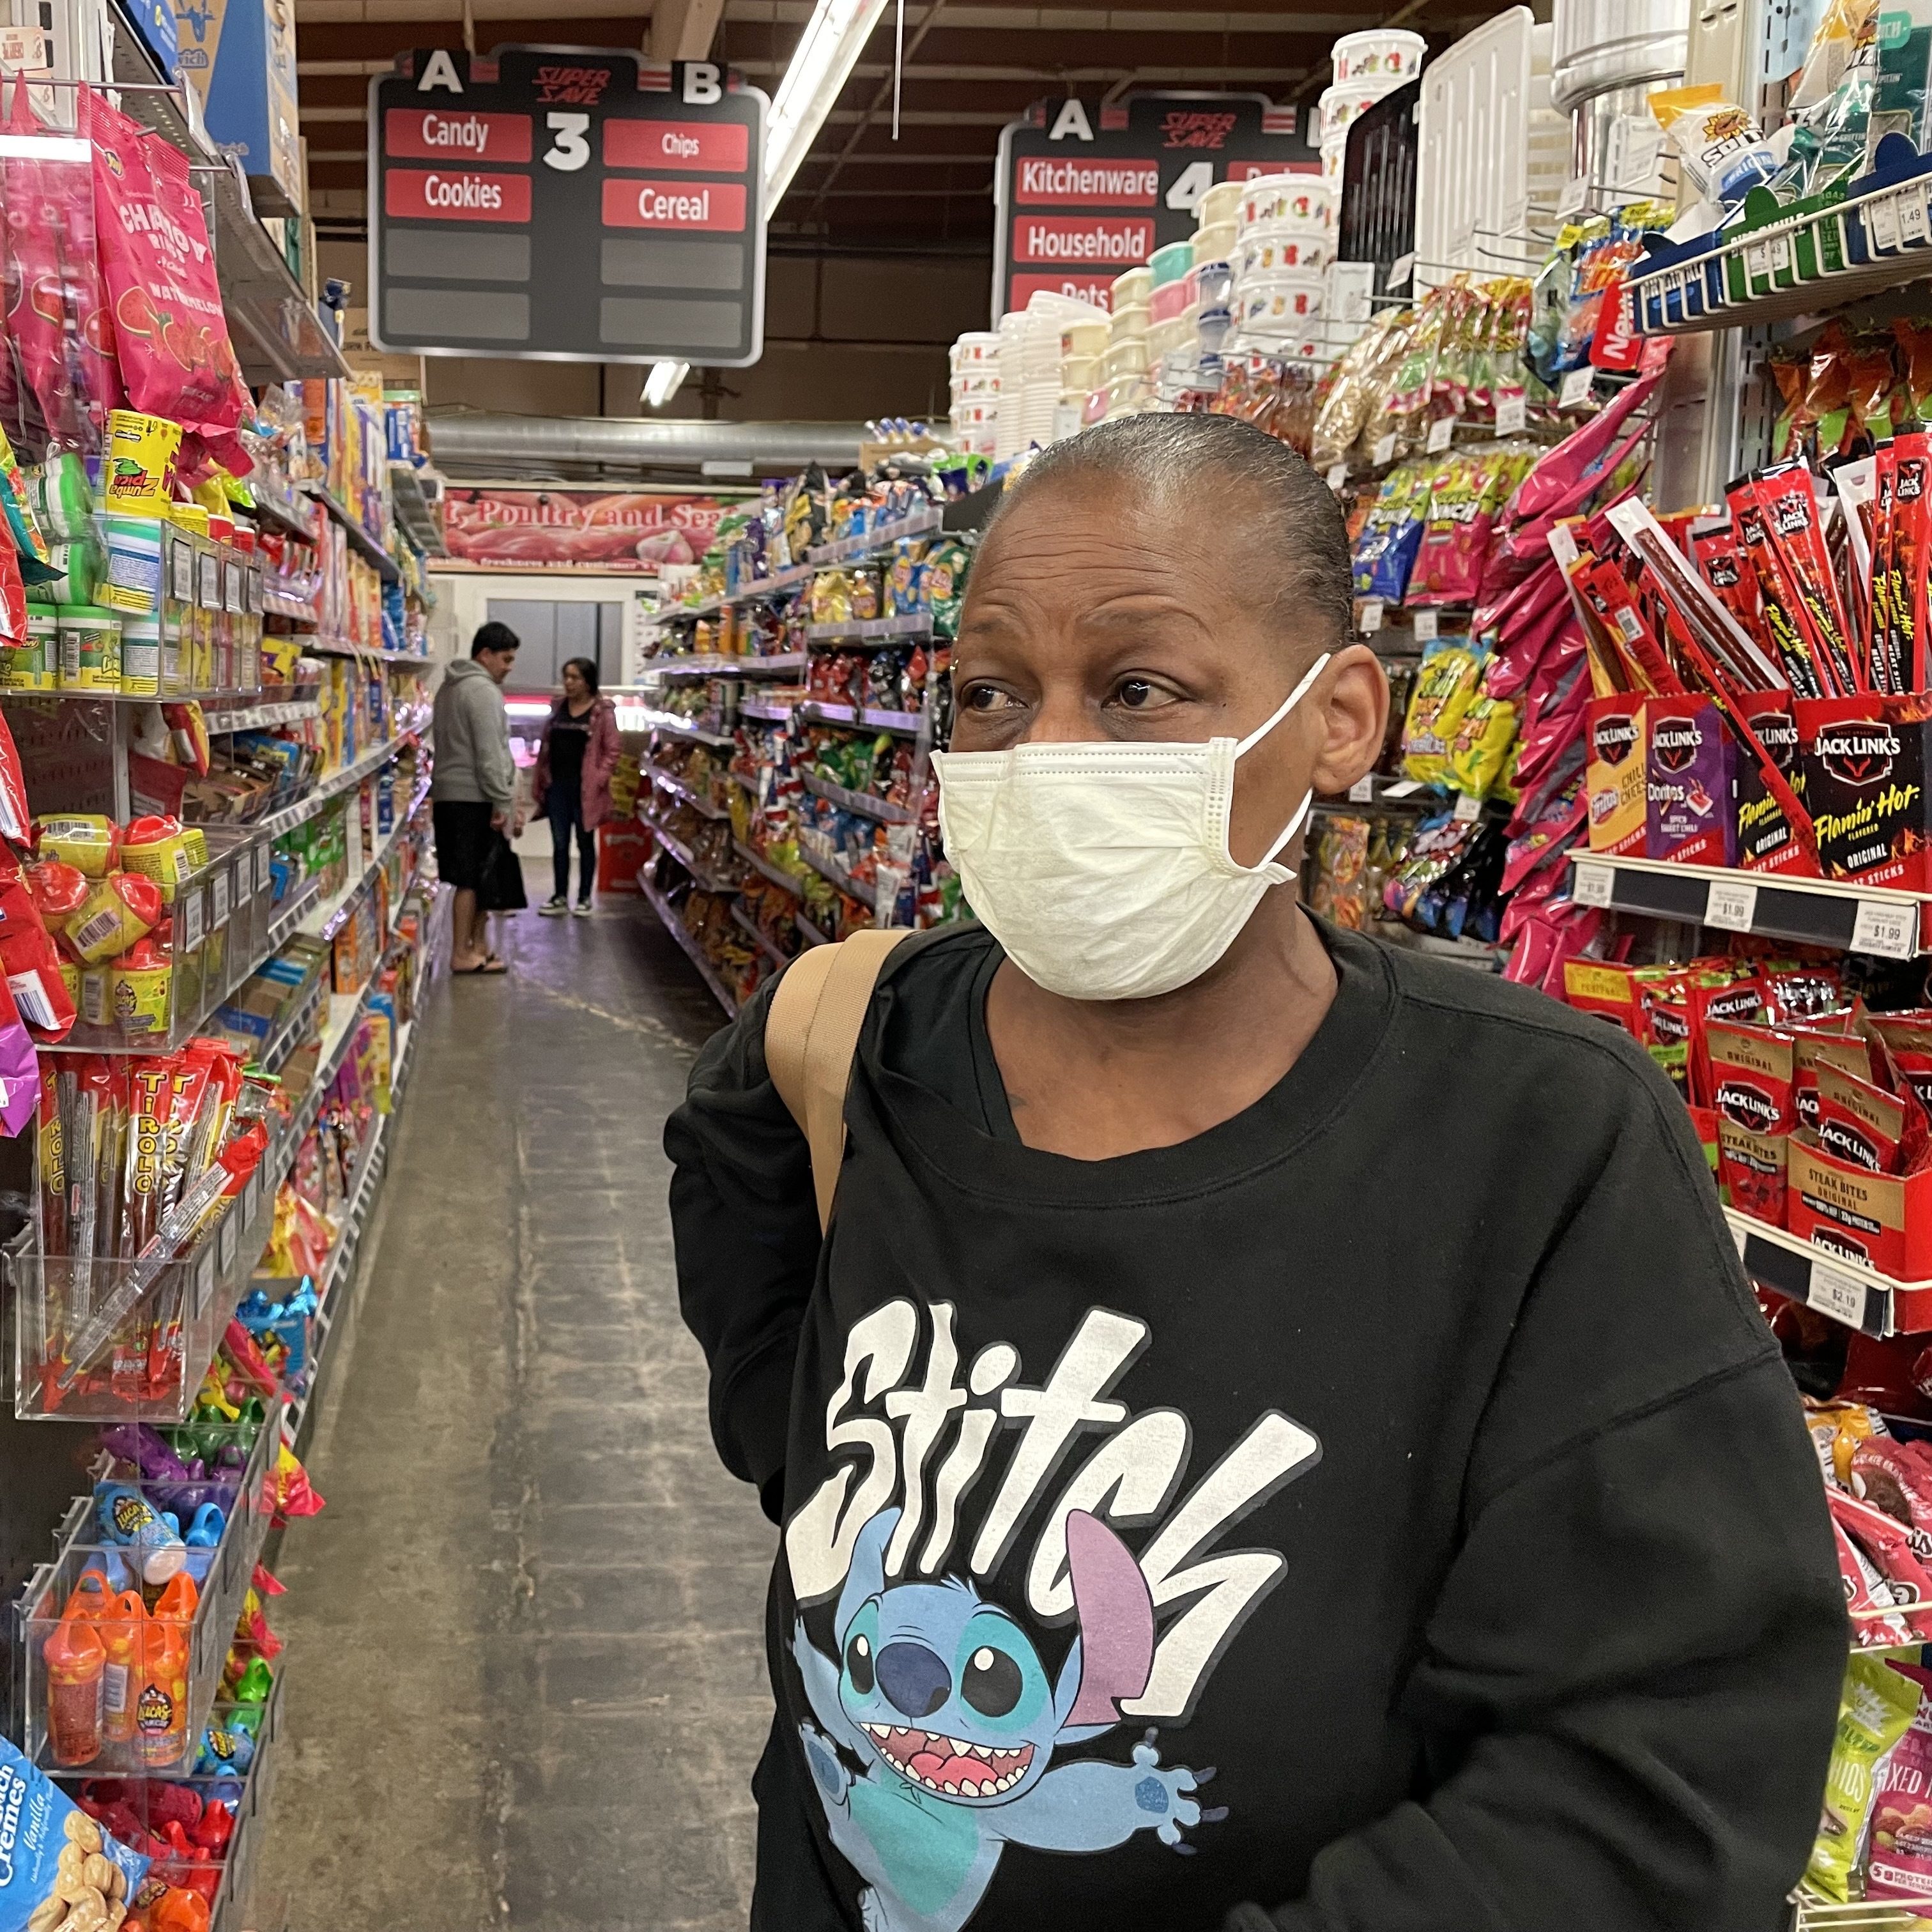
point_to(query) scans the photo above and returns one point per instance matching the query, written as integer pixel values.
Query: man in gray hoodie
(473, 790)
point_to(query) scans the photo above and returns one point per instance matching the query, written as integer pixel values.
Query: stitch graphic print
(935, 1720)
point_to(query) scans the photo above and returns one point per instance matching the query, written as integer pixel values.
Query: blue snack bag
(40, 1827)
(1385, 551)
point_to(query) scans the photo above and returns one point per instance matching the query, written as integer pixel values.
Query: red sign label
(436, 134)
(1256, 170)
(1121, 241)
(1071, 182)
(1097, 290)
(584, 85)
(717, 148)
(411, 194)
(719, 206)
(1189, 127)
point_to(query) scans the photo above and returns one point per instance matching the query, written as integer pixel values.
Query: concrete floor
(525, 1684)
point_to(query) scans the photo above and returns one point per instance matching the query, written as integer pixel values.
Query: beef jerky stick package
(1778, 596)
(1911, 538)
(1790, 503)
(1766, 842)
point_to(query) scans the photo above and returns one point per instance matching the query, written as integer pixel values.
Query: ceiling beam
(683, 30)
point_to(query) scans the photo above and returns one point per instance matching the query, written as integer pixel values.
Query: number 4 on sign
(1190, 185)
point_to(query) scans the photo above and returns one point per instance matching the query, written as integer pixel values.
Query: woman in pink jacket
(579, 752)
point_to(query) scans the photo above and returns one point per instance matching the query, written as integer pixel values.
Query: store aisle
(526, 1686)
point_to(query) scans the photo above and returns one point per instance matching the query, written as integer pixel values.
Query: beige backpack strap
(812, 1033)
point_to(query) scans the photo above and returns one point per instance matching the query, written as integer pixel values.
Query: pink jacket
(600, 761)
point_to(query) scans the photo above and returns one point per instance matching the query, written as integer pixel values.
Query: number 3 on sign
(570, 150)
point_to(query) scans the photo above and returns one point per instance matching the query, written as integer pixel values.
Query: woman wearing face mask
(1242, 1350)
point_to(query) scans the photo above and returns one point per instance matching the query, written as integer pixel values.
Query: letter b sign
(699, 83)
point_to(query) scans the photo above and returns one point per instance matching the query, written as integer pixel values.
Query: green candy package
(944, 584)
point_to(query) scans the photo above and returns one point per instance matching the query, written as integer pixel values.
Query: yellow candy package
(1875, 1708)
(1445, 687)
(87, 841)
(1479, 752)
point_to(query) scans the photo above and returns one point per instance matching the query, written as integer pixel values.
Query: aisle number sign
(1085, 192)
(566, 205)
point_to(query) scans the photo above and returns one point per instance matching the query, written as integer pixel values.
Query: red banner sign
(529, 530)
(1095, 289)
(686, 206)
(1118, 241)
(445, 134)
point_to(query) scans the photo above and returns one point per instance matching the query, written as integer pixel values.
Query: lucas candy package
(57, 1867)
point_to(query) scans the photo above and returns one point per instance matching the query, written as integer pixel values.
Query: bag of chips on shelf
(1876, 1706)
(1384, 554)
(1446, 684)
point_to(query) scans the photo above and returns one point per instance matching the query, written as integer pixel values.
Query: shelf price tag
(1591, 883)
(1837, 1292)
(1338, 478)
(221, 890)
(1403, 788)
(224, 1242)
(1912, 228)
(1512, 414)
(1384, 454)
(1886, 929)
(1428, 626)
(1731, 904)
(1469, 808)
(188, 912)
(1576, 390)
(1881, 217)
(204, 1282)
(1363, 791)
(1441, 433)
(1371, 616)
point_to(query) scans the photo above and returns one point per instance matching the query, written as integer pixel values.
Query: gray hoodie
(472, 739)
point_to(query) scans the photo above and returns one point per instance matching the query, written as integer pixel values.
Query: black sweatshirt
(1407, 1449)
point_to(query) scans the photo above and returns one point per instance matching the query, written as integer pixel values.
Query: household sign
(1086, 193)
(566, 205)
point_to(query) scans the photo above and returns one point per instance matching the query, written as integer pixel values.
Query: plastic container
(1127, 322)
(1169, 299)
(1306, 199)
(1221, 203)
(1277, 248)
(977, 348)
(1083, 338)
(1391, 55)
(141, 657)
(90, 648)
(139, 455)
(1281, 302)
(1335, 158)
(1171, 263)
(132, 580)
(36, 665)
(981, 383)
(1339, 106)
(1127, 358)
(1212, 328)
(1217, 243)
(1216, 281)
(1165, 337)
(1080, 373)
(1131, 289)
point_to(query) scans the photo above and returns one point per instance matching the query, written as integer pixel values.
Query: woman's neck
(577, 706)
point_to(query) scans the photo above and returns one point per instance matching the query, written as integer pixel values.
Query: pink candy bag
(176, 359)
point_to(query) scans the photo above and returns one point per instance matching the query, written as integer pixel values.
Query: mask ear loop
(1255, 737)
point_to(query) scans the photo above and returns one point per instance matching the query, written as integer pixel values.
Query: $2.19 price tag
(1591, 882)
(1731, 904)
(1886, 928)
(1837, 1292)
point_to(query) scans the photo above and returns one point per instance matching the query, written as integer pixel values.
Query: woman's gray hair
(1301, 539)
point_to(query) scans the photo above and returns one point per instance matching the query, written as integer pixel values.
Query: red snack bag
(1790, 502)
(1890, 1546)
(31, 962)
(1858, 1122)
(1911, 534)
(170, 331)
(1869, 1601)
(1889, 1480)
(1908, 1042)
(1778, 601)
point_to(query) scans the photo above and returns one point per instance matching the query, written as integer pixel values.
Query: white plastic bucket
(1390, 55)
(1280, 303)
(1302, 198)
(1283, 247)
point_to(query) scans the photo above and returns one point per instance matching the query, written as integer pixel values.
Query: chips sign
(562, 204)
(1086, 193)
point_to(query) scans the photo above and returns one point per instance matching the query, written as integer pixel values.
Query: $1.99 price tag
(1731, 904)
(1888, 927)
(1591, 882)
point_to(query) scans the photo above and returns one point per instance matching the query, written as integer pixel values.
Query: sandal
(491, 966)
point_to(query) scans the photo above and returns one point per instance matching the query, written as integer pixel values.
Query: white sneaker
(553, 908)
(582, 908)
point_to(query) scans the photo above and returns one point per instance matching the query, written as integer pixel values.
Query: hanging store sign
(501, 526)
(1086, 193)
(566, 205)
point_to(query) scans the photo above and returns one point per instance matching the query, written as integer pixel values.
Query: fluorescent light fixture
(830, 48)
(663, 382)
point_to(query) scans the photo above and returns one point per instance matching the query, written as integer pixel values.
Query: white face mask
(1103, 869)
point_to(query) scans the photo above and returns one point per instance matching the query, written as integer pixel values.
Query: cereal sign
(566, 205)
(1086, 192)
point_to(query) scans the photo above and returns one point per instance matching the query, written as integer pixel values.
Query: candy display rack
(219, 1602)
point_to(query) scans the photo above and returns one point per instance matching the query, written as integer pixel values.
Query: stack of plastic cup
(976, 391)
(1368, 64)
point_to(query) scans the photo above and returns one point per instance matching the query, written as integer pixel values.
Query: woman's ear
(1354, 716)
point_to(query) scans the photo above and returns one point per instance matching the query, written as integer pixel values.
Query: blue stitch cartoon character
(944, 1700)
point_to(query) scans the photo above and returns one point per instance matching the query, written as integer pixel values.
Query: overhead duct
(561, 447)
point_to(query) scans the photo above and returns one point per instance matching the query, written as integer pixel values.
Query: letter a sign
(566, 205)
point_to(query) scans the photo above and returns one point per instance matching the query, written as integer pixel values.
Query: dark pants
(564, 806)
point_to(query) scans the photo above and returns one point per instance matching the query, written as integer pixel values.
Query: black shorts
(463, 838)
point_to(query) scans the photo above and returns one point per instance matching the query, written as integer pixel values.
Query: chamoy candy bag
(60, 1868)
(175, 356)
(1874, 1709)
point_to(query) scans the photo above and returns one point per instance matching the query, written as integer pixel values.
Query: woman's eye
(1136, 693)
(986, 697)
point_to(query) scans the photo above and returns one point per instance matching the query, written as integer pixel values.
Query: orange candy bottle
(76, 1667)
(160, 1697)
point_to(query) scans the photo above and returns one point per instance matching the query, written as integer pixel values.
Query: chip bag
(1385, 551)
(1445, 687)
(1874, 1709)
